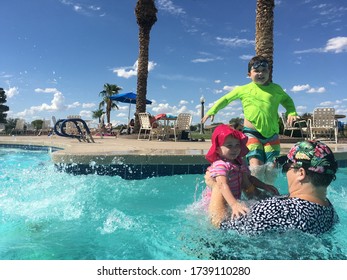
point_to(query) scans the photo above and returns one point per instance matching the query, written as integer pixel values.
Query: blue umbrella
(128, 97)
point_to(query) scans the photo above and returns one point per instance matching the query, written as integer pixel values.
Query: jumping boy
(260, 101)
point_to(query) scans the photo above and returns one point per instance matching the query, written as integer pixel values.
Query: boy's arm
(288, 104)
(222, 102)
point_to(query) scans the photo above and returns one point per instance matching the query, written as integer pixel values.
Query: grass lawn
(197, 135)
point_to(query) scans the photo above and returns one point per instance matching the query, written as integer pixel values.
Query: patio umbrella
(128, 97)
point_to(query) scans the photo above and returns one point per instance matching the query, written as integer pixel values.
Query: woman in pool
(310, 168)
(231, 174)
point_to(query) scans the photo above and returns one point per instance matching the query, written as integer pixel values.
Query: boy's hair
(255, 59)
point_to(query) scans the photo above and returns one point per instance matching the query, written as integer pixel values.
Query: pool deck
(108, 147)
(126, 150)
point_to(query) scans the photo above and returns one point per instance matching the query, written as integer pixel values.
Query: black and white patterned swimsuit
(283, 213)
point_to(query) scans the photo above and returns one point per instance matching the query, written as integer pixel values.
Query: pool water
(46, 214)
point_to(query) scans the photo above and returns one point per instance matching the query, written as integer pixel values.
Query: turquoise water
(45, 214)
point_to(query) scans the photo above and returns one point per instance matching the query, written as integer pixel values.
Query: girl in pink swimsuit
(231, 173)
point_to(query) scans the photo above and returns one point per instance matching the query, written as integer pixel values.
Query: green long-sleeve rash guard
(260, 105)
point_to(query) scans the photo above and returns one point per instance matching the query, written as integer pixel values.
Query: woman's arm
(261, 185)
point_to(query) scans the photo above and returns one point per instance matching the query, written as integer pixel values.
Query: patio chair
(182, 124)
(54, 121)
(323, 124)
(299, 125)
(2, 129)
(46, 128)
(30, 129)
(19, 128)
(147, 129)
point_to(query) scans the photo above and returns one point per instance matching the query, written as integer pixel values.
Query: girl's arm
(238, 209)
(217, 208)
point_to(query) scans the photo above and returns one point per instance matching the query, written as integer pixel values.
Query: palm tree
(108, 91)
(146, 16)
(264, 31)
(97, 114)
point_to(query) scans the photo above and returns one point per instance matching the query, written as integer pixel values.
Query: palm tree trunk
(146, 16)
(264, 31)
(142, 71)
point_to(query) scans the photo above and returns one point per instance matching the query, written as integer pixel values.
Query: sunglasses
(287, 166)
(285, 163)
(259, 63)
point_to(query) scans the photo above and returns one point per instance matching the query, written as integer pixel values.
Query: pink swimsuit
(234, 174)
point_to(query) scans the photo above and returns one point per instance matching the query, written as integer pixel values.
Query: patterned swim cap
(313, 155)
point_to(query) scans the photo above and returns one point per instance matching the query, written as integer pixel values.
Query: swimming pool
(45, 214)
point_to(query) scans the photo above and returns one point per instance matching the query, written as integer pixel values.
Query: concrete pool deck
(186, 157)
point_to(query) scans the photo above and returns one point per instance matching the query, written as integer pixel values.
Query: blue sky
(56, 55)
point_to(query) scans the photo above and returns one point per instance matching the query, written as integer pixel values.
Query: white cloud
(168, 6)
(81, 8)
(234, 42)
(307, 88)
(229, 88)
(301, 108)
(12, 91)
(246, 57)
(88, 105)
(46, 90)
(326, 103)
(131, 71)
(73, 105)
(300, 88)
(57, 103)
(334, 45)
(314, 90)
(210, 58)
(85, 114)
(197, 60)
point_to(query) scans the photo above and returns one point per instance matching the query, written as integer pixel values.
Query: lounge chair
(147, 129)
(19, 128)
(46, 128)
(323, 124)
(299, 125)
(2, 129)
(182, 125)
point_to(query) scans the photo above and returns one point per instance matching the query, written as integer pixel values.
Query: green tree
(236, 123)
(37, 124)
(264, 31)
(3, 108)
(108, 91)
(10, 124)
(146, 16)
(97, 114)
